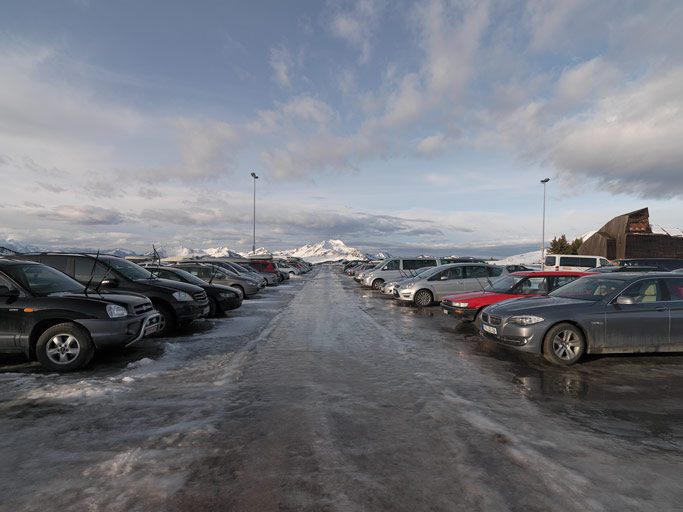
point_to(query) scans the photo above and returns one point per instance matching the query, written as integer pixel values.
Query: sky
(407, 126)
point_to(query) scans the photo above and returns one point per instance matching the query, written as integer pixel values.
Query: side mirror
(625, 301)
(110, 282)
(5, 291)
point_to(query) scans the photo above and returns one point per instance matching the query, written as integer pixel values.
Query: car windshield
(240, 268)
(589, 288)
(42, 280)
(128, 269)
(504, 284)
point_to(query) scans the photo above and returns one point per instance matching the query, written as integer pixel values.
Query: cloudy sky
(398, 125)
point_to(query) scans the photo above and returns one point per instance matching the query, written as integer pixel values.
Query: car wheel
(423, 298)
(377, 284)
(214, 309)
(240, 288)
(564, 344)
(65, 347)
(167, 322)
(292, 274)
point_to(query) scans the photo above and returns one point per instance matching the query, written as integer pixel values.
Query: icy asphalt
(321, 395)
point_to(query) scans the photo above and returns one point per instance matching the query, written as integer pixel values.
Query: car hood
(172, 286)
(534, 305)
(127, 299)
(479, 299)
(224, 288)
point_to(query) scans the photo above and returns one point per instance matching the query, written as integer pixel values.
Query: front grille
(199, 296)
(142, 308)
(494, 320)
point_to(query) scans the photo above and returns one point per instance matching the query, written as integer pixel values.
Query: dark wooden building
(630, 236)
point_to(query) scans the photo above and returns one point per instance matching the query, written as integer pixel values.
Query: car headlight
(228, 295)
(525, 319)
(461, 304)
(182, 296)
(408, 286)
(116, 311)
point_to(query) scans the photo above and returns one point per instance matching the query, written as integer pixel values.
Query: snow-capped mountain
(16, 246)
(182, 252)
(327, 250)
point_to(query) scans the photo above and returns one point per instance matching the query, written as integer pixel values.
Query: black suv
(221, 298)
(178, 303)
(49, 317)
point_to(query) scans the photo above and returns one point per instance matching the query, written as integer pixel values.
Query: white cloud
(281, 62)
(355, 26)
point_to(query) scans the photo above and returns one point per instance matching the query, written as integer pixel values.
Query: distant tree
(562, 246)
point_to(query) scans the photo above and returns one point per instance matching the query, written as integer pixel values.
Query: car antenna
(92, 272)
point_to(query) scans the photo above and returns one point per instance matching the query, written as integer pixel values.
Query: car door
(11, 318)
(476, 278)
(643, 324)
(675, 288)
(448, 281)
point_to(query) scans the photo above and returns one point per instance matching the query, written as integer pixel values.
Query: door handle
(660, 309)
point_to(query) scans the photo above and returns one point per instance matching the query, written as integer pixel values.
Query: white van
(574, 262)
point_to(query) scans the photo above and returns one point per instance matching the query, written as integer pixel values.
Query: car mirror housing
(110, 282)
(625, 301)
(6, 291)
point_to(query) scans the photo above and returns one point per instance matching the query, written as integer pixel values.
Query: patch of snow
(527, 258)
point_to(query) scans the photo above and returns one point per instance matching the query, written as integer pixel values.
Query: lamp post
(545, 182)
(253, 247)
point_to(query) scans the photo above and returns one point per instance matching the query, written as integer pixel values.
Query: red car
(466, 306)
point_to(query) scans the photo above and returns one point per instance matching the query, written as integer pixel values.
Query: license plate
(445, 311)
(490, 329)
(151, 329)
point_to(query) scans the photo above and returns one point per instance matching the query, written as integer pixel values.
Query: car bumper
(406, 295)
(122, 331)
(226, 304)
(187, 312)
(522, 338)
(466, 314)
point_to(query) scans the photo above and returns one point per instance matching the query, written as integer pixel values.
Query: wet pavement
(322, 395)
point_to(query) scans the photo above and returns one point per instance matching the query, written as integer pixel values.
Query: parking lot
(322, 395)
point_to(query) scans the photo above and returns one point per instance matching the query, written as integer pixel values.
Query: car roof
(550, 273)
(630, 276)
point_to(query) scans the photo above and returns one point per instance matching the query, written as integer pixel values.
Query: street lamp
(253, 247)
(545, 182)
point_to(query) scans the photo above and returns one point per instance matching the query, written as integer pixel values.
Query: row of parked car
(59, 308)
(565, 312)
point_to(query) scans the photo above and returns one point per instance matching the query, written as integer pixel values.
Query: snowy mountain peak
(326, 250)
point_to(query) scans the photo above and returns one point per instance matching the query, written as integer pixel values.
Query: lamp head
(542, 181)
(253, 175)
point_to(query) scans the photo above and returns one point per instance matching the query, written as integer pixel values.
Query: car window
(392, 265)
(83, 269)
(604, 262)
(58, 262)
(473, 271)
(437, 275)
(127, 268)
(575, 261)
(675, 287)
(593, 289)
(42, 280)
(494, 271)
(532, 286)
(648, 290)
(560, 281)
(550, 260)
(167, 274)
(455, 273)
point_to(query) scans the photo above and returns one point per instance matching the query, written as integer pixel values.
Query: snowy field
(322, 395)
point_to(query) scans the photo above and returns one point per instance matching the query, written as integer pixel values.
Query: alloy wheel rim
(566, 345)
(62, 348)
(422, 298)
(162, 321)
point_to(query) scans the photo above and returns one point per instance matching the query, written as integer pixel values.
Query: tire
(564, 344)
(377, 284)
(214, 310)
(423, 298)
(65, 347)
(168, 323)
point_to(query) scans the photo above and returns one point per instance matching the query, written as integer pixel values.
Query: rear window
(550, 260)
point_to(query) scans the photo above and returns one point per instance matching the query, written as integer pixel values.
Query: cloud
(281, 63)
(355, 26)
(84, 215)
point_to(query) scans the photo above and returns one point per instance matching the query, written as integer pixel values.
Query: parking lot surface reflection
(321, 395)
